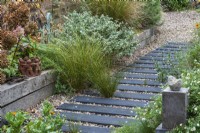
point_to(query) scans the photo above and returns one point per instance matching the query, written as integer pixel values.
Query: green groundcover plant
(116, 39)
(22, 122)
(148, 119)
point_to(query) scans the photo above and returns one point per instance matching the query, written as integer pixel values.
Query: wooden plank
(134, 96)
(169, 49)
(157, 58)
(140, 76)
(137, 70)
(139, 88)
(108, 101)
(161, 55)
(97, 109)
(85, 129)
(175, 47)
(149, 66)
(91, 118)
(140, 82)
(164, 52)
(154, 62)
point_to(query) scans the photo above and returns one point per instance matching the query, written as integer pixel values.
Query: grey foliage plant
(115, 38)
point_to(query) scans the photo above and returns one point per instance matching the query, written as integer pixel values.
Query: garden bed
(33, 90)
(26, 93)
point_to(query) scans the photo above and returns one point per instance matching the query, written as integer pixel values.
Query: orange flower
(197, 25)
(14, 113)
(52, 113)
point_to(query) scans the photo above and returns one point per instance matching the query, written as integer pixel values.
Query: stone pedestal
(160, 129)
(174, 109)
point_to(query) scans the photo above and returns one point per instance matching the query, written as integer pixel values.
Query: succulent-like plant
(2, 77)
(3, 59)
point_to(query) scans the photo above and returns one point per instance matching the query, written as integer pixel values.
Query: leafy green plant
(22, 122)
(16, 121)
(62, 88)
(81, 64)
(191, 81)
(173, 68)
(73, 128)
(135, 127)
(175, 5)
(148, 119)
(116, 39)
(193, 57)
(11, 70)
(47, 123)
(151, 14)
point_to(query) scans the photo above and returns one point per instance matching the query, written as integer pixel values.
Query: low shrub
(148, 119)
(193, 57)
(81, 65)
(138, 14)
(175, 5)
(151, 13)
(22, 122)
(116, 39)
(123, 11)
(191, 81)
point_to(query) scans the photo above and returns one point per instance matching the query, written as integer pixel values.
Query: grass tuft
(82, 65)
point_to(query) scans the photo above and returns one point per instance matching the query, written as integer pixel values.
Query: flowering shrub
(191, 81)
(116, 40)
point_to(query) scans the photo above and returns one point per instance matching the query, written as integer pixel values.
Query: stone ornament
(174, 84)
(30, 67)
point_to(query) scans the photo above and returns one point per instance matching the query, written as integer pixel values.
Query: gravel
(176, 27)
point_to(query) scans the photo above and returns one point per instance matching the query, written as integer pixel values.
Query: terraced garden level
(91, 113)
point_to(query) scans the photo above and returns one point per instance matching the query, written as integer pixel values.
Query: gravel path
(177, 27)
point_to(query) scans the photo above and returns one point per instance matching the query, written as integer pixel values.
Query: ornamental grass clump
(82, 65)
(116, 9)
(138, 14)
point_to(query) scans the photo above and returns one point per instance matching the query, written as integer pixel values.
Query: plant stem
(15, 51)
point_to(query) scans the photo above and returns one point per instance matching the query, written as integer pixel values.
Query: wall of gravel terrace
(26, 93)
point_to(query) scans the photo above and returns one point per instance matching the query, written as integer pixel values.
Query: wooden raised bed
(26, 93)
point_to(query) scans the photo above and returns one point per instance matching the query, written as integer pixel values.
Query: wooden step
(139, 88)
(108, 101)
(96, 119)
(97, 109)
